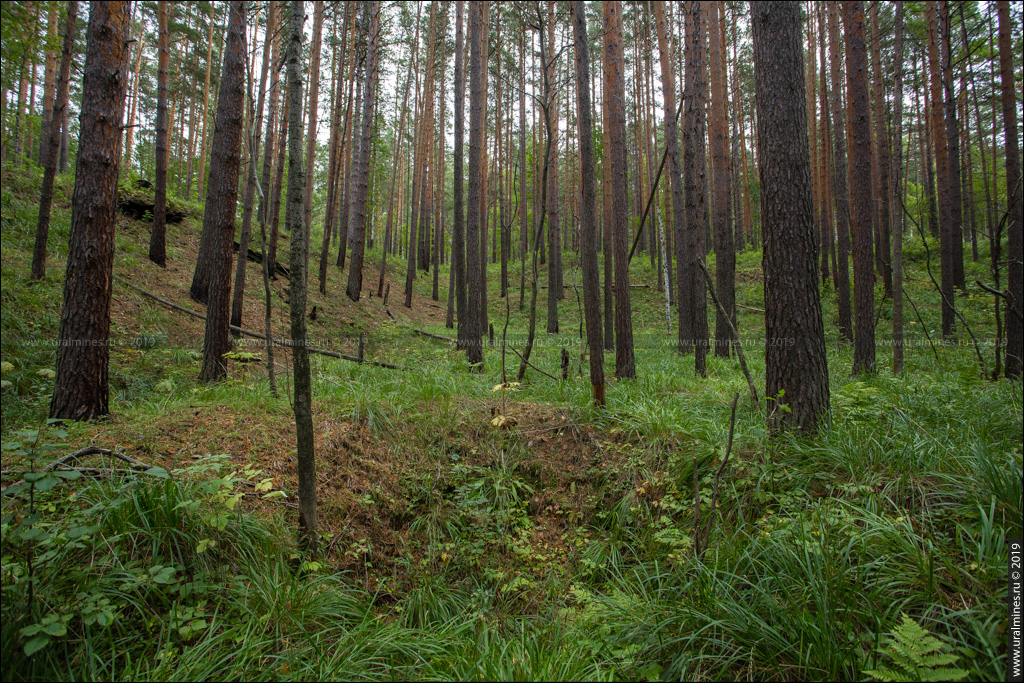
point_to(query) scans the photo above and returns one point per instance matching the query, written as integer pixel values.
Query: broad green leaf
(36, 644)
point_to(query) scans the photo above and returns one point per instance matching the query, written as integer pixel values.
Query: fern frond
(916, 656)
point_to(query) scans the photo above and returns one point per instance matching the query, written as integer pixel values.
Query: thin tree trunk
(252, 134)
(458, 224)
(883, 256)
(158, 235)
(1014, 329)
(334, 151)
(206, 117)
(588, 217)
(303, 403)
(956, 235)
(275, 194)
(949, 226)
(625, 365)
(473, 337)
(839, 177)
(49, 80)
(895, 199)
(60, 107)
(314, 94)
(860, 187)
(359, 204)
(725, 254)
(398, 145)
(693, 168)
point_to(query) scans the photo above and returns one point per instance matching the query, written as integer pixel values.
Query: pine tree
(795, 360)
(83, 356)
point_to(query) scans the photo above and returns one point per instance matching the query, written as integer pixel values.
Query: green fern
(916, 656)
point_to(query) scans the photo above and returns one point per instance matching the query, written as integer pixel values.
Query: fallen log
(60, 463)
(256, 335)
(438, 337)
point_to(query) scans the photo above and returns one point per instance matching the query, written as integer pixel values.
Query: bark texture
(83, 356)
(796, 367)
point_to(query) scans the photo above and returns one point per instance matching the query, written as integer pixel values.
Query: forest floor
(558, 543)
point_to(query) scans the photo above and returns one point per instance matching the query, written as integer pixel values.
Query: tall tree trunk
(83, 356)
(398, 145)
(725, 254)
(334, 146)
(839, 176)
(130, 132)
(473, 337)
(359, 204)
(222, 197)
(314, 94)
(60, 106)
(956, 237)
(828, 245)
(540, 214)
(949, 226)
(458, 224)
(49, 78)
(588, 217)
(554, 224)
(485, 10)
(253, 134)
(797, 372)
(625, 365)
(275, 194)
(524, 219)
(896, 198)
(860, 190)
(158, 235)
(206, 115)
(883, 256)
(683, 299)
(270, 144)
(606, 197)
(303, 405)
(350, 152)
(694, 165)
(1015, 301)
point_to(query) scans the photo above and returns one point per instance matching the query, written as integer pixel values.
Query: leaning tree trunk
(60, 106)
(83, 356)
(222, 196)
(795, 359)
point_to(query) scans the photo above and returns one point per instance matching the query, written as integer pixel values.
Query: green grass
(562, 548)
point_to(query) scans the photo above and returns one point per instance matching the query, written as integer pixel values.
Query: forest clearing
(510, 340)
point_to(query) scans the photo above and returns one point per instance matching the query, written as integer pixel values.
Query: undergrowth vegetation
(557, 544)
